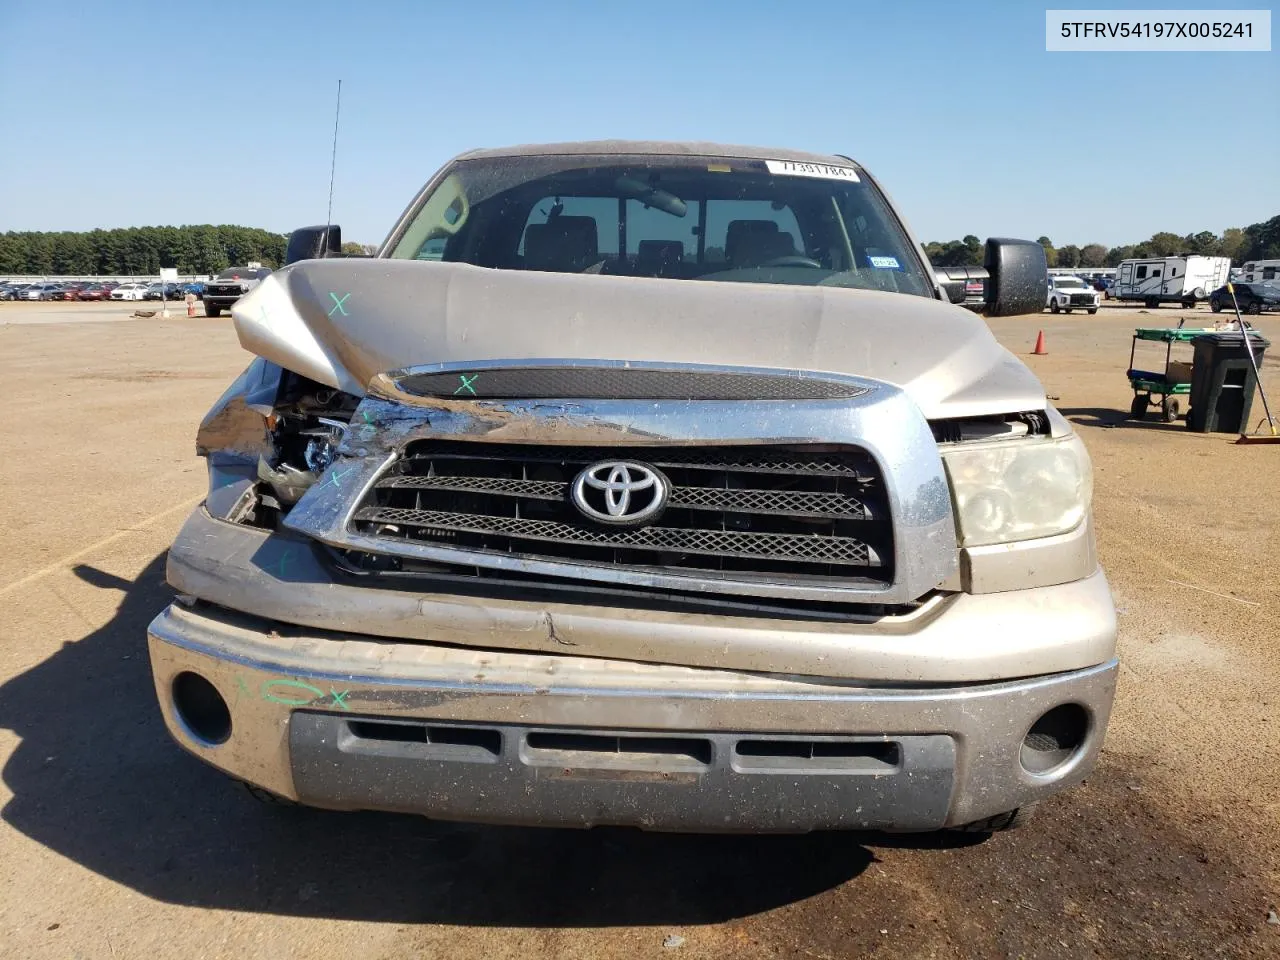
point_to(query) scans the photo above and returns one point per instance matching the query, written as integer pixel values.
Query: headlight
(1019, 489)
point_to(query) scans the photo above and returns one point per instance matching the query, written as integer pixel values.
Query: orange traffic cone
(1040, 351)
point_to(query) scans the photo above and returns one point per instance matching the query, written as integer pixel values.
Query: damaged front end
(394, 596)
(268, 439)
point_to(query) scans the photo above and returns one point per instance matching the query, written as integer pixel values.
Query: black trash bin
(1222, 381)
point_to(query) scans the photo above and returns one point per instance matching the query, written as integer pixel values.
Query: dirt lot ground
(115, 844)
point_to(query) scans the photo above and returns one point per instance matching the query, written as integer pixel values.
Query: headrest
(655, 254)
(749, 242)
(562, 245)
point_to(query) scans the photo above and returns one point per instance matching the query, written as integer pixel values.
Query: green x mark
(339, 699)
(335, 478)
(338, 304)
(467, 383)
(270, 687)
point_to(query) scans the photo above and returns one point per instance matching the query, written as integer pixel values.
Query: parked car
(95, 291)
(796, 546)
(229, 286)
(1253, 298)
(1103, 285)
(13, 291)
(162, 291)
(74, 290)
(196, 287)
(41, 291)
(1070, 293)
(129, 291)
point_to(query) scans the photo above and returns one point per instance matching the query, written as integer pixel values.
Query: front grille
(224, 291)
(789, 511)
(624, 383)
(1081, 300)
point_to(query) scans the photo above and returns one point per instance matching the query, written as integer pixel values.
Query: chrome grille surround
(881, 421)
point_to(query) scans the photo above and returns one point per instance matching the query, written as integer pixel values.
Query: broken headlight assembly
(1020, 490)
(268, 439)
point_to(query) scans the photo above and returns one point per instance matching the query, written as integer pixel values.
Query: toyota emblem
(621, 492)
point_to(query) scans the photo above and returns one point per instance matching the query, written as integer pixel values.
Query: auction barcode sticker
(1123, 31)
(795, 168)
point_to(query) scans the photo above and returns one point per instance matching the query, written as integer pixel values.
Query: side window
(1156, 272)
(1268, 273)
(749, 218)
(1142, 272)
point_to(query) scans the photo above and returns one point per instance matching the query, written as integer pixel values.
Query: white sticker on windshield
(884, 263)
(794, 168)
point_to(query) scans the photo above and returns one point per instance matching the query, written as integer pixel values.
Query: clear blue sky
(137, 112)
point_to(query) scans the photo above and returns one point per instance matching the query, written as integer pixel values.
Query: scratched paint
(298, 693)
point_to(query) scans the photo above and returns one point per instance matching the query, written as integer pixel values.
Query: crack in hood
(342, 321)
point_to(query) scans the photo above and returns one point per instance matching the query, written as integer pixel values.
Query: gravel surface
(114, 843)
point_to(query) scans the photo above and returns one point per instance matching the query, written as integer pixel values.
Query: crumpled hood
(341, 321)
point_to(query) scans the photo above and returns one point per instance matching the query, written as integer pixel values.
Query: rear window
(670, 217)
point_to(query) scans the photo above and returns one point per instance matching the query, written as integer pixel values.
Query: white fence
(85, 278)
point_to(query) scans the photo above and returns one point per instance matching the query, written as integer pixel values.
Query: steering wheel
(792, 260)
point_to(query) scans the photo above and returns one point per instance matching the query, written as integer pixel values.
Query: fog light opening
(201, 709)
(1054, 739)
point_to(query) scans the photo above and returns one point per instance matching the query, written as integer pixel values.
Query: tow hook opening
(201, 709)
(1054, 739)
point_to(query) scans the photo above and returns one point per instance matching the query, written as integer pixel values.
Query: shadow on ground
(97, 779)
(1106, 417)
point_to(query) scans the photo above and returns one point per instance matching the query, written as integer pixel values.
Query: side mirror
(313, 243)
(1019, 277)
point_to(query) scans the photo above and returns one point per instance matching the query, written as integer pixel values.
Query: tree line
(138, 251)
(1258, 241)
(206, 249)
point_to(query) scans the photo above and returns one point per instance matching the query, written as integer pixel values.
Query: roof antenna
(333, 163)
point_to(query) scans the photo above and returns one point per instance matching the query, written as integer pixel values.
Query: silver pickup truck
(647, 484)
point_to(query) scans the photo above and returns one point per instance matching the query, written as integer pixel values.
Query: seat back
(659, 258)
(562, 245)
(750, 243)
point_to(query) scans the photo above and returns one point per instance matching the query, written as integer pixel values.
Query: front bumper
(356, 722)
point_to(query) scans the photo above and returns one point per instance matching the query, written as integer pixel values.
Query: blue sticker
(884, 263)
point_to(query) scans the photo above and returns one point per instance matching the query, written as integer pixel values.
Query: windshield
(242, 273)
(675, 217)
(1070, 283)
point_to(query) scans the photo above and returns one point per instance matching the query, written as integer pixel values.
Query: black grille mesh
(790, 511)
(613, 383)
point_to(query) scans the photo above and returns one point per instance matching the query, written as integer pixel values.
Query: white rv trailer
(1157, 280)
(1256, 271)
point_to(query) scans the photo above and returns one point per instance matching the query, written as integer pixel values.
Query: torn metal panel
(237, 423)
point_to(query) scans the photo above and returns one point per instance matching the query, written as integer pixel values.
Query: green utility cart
(1172, 382)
